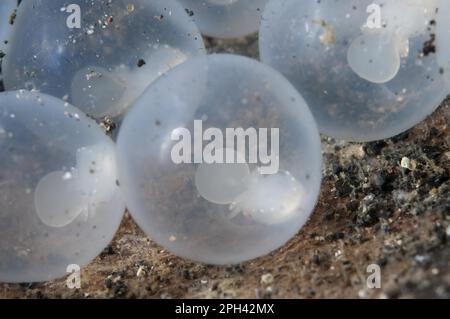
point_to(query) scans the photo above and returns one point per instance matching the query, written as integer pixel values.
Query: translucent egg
(226, 18)
(98, 55)
(366, 68)
(443, 39)
(220, 160)
(7, 8)
(60, 203)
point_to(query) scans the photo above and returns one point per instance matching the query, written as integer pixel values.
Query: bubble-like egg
(366, 68)
(443, 39)
(98, 55)
(59, 198)
(226, 18)
(7, 9)
(216, 169)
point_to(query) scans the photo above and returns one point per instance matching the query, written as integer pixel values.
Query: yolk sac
(222, 183)
(366, 68)
(375, 57)
(443, 39)
(236, 186)
(7, 9)
(79, 190)
(59, 197)
(270, 199)
(267, 199)
(376, 54)
(226, 18)
(69, 205)
(102, 64)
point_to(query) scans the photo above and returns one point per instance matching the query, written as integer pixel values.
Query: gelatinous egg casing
(367, 69)
(201, 201)
(59, 197)
(226, 18)
(102, 64)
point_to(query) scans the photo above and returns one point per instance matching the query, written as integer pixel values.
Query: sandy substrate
(371, 211)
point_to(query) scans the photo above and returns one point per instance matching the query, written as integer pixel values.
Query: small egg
(366, 68)
(59, 197)
(220, 170)
(226, 18)
(98, 55)
(443, 39)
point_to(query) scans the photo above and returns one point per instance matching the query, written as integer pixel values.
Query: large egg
(98, 55)
(367, 69)
(60, 203)
(220, 160)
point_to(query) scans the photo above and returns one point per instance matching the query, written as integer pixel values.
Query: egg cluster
(217, 157)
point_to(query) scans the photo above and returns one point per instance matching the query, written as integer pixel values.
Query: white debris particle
(408, 164)
(67, 176)
(140, 272)
(267, 279)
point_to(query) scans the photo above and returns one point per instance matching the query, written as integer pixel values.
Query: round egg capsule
(59, 197)
(366, 68)
(7, 14)
(226, 18)
(443, 39)
(98, 55)
(218, 170)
